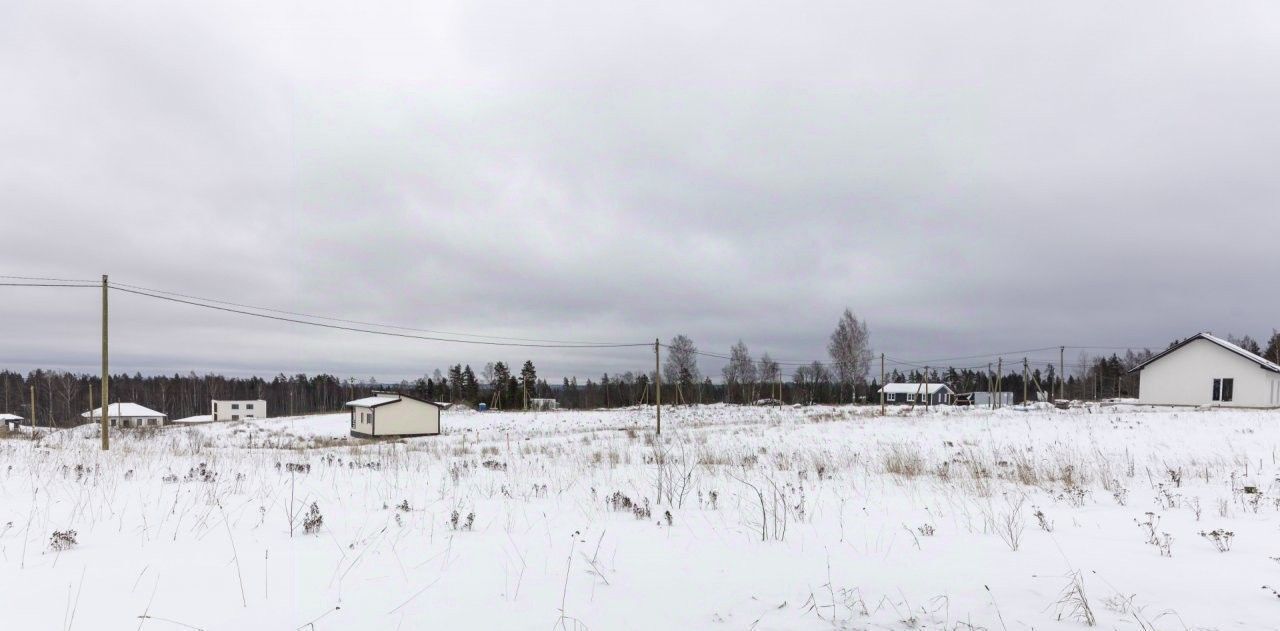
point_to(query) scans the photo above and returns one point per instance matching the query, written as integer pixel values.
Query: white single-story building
(919, 393)
(236, 410)
(11, 421)
(127, 415)
(544, 404)
(1207, 370)
(389, 414)
(983, 399)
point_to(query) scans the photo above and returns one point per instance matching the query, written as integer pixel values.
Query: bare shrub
(899, 459)
(313, 521)
(1221, 539)
(1073, 603)
(1008, 524)
(62, 540)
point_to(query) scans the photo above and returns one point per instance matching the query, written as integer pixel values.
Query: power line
(583, 344)
(373, 332)
(63, 280)
(44, 285)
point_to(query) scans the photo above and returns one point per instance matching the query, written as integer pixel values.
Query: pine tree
(455, 383)
(528, 379)
(470, 387)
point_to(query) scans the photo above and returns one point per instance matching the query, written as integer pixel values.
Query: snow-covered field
(765, 518)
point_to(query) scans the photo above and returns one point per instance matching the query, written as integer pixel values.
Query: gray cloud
(968, 179)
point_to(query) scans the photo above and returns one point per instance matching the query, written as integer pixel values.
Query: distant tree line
(62, 396)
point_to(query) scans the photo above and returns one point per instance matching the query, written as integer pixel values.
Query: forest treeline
(848, 376)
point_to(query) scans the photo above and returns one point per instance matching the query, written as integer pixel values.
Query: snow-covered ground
(779, 518)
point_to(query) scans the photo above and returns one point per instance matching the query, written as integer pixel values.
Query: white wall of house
(404, 417)
(407, 417)
(238, 410)
(134, 421)
(1185, 377)
(362, 420)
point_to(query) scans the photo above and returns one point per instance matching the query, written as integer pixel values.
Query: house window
(235, 406)
(235, 417)
(248, 406)
(1223, 389)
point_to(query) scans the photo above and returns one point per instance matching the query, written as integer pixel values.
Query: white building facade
(1204, 370)
(388, 414)
(239, 410)
(127, 415)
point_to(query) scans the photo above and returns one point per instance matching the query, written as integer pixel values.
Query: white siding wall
(363, 420)
(407, 416)
(1185, 377)
(225, 410)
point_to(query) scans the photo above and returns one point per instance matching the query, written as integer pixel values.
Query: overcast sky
(969, 177)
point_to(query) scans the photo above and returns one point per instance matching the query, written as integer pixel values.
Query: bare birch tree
(770, 373)
(739, 372)
(850, 350)
(681, 366)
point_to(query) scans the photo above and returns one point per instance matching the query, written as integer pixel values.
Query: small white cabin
(918, 393)
(1207, 370)
(237, 410)
(389, 414)
(544, 404)
(984, 398)
(11, 421)
(127, 415)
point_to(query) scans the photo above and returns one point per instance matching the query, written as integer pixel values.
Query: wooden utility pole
(928, 396)
(1024, 381)
(882, 410)
(106, 440)
(33, 412)
(991, 386)
(1062, 371)
(1000, 380)
(657, 382)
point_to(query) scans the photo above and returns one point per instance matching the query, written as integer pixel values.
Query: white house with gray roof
(1205, 370)
(127, 415)
(390, 414)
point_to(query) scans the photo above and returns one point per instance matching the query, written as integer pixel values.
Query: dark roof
(1260, 361)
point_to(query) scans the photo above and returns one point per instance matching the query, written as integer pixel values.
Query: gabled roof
(383, 398)
(914, 388)
(1260, 361)
(10, 417)
(372, 402)
(122, 410)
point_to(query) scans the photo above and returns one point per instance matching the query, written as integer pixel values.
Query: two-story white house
(1207, 370)
(239, 410)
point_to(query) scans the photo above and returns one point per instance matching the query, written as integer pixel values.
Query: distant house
(389, 414)
(128, 415)
(1207, 370)
(544, 404)
(918, 393)
(983, 398)
(11, 421)
(237, 410)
